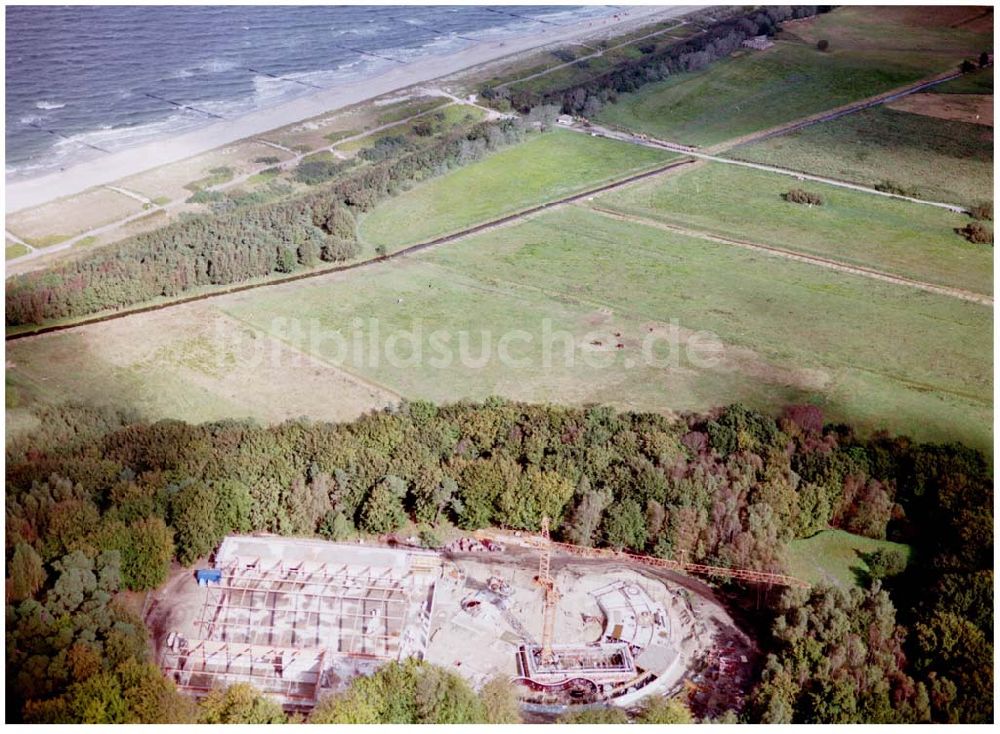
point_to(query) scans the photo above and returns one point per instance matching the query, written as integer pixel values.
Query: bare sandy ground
(974, 108)
(115, 166)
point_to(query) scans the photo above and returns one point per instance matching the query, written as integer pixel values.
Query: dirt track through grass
(883, 147)
(810, 259)
(849, 109)
(801, 175)
(871, 53)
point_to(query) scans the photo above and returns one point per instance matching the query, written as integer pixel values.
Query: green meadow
(878, 355)
(927, 157)
(871, 51)
(854, 227)
(543, 168)
(835, 557)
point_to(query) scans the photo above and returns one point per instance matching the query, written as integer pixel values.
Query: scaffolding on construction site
(285, 627)
(354, 612)
(293, 676)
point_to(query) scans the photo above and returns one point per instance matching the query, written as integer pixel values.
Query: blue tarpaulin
(208, 576)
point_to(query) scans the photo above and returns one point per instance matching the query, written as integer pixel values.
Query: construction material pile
(474, 545)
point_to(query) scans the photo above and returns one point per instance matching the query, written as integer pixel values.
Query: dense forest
(98, 502)
(719, 38)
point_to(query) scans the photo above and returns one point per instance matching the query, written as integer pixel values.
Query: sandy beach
(114, 166)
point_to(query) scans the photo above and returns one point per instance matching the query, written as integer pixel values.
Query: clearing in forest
(836, 556)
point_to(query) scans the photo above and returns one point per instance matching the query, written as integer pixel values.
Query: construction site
(299, 618)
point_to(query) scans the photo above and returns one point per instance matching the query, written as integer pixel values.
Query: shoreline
(31, 192)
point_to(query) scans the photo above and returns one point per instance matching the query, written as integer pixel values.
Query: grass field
(870, 52)
(877, 355)
(580, 72)
(56, 221)
(15, 249)
(543, 168)
(192, 363)
(979, 82)
(835, 556)
(908, 239)
(586, 69)
(873, 354)
(216, 176)
(551, 70)
(940, 160)
(407, 108)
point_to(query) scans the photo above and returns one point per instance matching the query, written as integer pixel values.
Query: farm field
(543, 168)
(871, 51)
(877, 355)
(976, 109)
(935, 159)
(928, 373)
(899, 237)
(834, 556)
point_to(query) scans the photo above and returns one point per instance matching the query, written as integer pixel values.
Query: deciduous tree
(240, 703)
(383, 510)
(25, 573)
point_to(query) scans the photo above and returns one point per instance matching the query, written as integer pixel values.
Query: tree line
(917, 645)
(251, 241)
(716, 41)
(97, 501)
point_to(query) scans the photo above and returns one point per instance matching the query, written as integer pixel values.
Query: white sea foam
(113, 138)
(216, 66)
(366, 32)
(43, 105)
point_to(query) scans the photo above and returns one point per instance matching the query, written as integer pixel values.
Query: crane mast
(551, 594)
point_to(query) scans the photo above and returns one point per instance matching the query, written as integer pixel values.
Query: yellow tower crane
(551, 594)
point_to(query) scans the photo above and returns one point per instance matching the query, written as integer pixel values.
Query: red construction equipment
(701, 569)
(546, 544)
